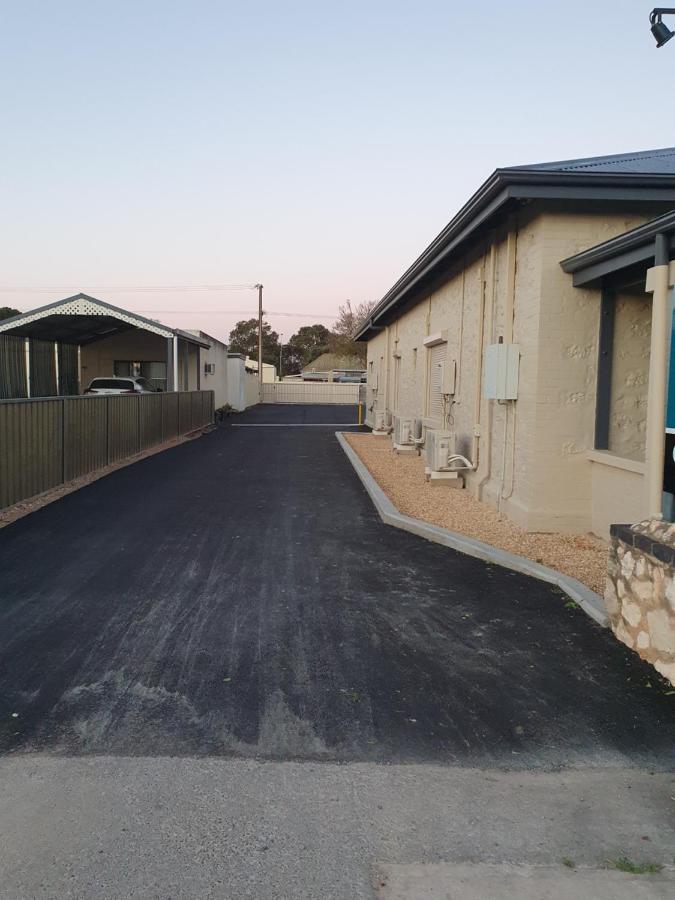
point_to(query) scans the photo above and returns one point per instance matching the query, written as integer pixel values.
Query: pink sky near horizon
(317, 150)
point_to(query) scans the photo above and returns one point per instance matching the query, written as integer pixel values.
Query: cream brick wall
(532, 453)
(566, 372)
(630, 376)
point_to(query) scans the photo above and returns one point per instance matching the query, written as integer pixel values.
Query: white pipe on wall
(479, 367)
(511, 260)
(486, 433)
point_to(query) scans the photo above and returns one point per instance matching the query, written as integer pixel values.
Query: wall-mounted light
(662, 34)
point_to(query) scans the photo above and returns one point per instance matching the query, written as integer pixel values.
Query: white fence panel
(310, 392)
(251, 390)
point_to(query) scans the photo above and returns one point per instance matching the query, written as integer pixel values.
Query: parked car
(116, 385)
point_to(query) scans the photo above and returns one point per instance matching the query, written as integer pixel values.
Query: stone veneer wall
(640, 591)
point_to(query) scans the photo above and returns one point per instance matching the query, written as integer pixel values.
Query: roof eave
(503, 185)
(635, 246)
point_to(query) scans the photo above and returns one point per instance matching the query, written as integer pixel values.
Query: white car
(119, 385)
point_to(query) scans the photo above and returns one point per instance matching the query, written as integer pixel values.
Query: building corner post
(658, 284)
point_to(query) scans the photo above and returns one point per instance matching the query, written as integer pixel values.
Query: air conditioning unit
(381, 422)
(439, 446)
(209, 368)
(406, 431)
(443, 463)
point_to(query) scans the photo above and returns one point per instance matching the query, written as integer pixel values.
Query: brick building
(566, 451)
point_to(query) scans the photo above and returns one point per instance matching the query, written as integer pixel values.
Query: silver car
(118, 385)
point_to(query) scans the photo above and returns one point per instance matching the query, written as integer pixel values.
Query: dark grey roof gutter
(515, 184)
(640, 245)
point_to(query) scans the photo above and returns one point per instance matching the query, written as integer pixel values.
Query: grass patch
(623, 864)
(569, 863)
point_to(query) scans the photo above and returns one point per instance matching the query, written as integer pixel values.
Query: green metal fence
(46, 442)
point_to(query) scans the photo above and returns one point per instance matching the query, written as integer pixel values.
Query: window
(154, 372)
(437, 356)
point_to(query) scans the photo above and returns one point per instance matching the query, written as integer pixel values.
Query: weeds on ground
(623, 864)
(569, 863)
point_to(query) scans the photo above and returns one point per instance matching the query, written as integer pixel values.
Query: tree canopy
(309, 342)
(6, 312)
(244, 339)
(348, 320)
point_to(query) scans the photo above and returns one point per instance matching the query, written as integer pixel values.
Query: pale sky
(314, 147)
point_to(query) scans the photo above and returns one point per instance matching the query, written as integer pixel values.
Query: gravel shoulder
(401, 477)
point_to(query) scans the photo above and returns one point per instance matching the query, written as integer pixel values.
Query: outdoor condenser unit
(381, 421)
(404, 431)
(439, 446)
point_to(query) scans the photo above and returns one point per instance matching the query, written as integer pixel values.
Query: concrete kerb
(588, 600)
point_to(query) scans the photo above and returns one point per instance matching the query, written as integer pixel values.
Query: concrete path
(106, 828)
(237, 596)
(466, 881)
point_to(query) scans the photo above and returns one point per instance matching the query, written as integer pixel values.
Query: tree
(6, 312)
(346, 325)
(309, 342)
(244, 339)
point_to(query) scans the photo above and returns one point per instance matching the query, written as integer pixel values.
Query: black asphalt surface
(238, 595)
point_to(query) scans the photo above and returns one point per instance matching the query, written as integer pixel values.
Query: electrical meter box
(500, 380)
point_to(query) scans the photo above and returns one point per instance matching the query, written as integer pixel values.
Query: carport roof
(82, 319)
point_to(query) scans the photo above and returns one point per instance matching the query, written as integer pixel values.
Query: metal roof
(82, 319)
(644, 176)
(636, 247)
(656, 162)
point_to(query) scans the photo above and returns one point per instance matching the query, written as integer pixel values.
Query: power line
(128, 288)
(236, 312)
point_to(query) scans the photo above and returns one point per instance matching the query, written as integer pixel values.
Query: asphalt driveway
(238, 595)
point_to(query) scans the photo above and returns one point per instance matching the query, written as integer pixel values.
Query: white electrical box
(448, 377)
(500, 380)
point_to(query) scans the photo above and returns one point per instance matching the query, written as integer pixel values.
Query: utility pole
(260, 336)
(281, 350)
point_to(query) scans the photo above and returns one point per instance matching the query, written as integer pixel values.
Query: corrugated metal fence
(310, 392)
(43, 368)
(44, 443)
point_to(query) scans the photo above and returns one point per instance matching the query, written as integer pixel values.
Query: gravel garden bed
(401, 477)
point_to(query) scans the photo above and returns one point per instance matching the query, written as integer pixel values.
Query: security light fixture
(662, 34)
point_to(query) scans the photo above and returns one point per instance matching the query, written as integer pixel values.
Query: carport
(57, 349)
